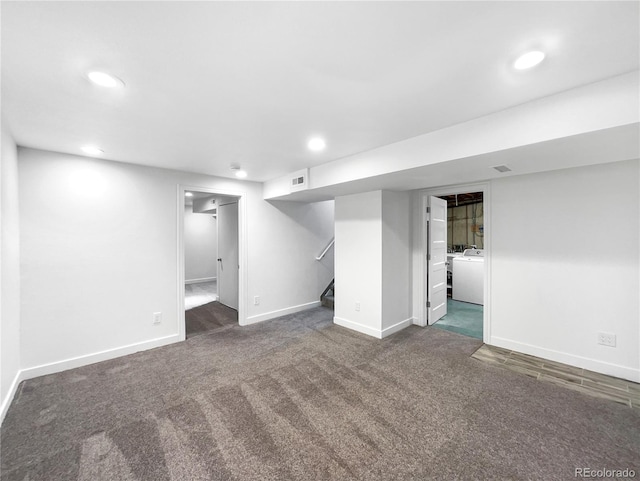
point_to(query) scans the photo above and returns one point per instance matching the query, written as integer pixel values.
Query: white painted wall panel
(565, 265)
(358, 257)
(396, 287)
(10, 271)
(95, 269)
(200, 245)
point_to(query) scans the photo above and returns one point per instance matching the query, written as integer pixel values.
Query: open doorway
(456, 253)
(200, 249)
(211, 247)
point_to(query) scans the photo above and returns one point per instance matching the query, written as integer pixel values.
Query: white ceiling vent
(299, 180)
(502, 168)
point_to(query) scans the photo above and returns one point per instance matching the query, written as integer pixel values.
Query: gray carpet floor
(208, 317)
(299, 398)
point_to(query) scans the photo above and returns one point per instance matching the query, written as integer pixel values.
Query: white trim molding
(6, 402)
(398, 326)
(595, 365)
(371, 331)
(79, 361)
(355, 326)
(280, 312)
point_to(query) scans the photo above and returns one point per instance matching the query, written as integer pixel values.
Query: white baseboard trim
(595, 365)
(417, 322)
(399, 326)
(58, 366)
(355, 326)
(280, 312)
(372, 331)
(87, 359)
(6, 402)
(197, 281)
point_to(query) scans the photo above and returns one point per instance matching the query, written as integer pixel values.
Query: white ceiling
(214, 83)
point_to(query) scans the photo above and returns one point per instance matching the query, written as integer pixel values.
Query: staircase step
(328, 301)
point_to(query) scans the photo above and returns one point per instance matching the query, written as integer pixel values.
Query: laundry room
(465, 264)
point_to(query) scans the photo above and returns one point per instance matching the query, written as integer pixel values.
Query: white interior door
(228, 264)
(436, 259)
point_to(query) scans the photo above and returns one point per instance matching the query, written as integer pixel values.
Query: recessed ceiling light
(92, 150)
(528, 60)
(239, 173)
(316, 144)
(188, 194)
(105, 80)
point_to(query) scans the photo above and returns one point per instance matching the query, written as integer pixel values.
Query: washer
(468, 277)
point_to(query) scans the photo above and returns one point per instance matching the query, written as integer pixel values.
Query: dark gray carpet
(209, 317)
(299, 398)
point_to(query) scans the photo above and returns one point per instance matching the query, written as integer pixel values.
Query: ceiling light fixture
(92, 150)
(528, 60)
(316, 144)
(239, 173)
(188, 194)
(105, 80)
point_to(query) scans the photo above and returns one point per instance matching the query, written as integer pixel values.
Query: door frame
(242, 252)
(423, 199)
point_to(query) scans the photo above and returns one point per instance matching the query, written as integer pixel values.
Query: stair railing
(326, 249)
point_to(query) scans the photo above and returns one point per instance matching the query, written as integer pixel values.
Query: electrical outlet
(607, 339)
(357, 306)
(256, 300)
(157, 317)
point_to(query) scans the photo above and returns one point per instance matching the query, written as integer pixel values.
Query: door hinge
(428, 304)
(428, 209)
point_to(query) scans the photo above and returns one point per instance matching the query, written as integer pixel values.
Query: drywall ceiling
(598, 147)
(214, 83)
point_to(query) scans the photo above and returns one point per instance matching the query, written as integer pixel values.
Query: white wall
(283, 252)
(94, 271)
(372, 262)
(358, 258)
(200, 245)
(10, 273)
(396, 299)
(564, 260)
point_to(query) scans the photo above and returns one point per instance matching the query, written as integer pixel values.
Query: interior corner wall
(373, 262)
(358, 262)
(396, 269)
(565, 266)
(10, 273)
(200, 246)
(95, 269)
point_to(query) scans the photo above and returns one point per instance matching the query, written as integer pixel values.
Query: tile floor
(575, 378)
(462, 317)
(199, 294)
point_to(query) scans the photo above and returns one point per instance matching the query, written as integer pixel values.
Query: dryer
(468, 276)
